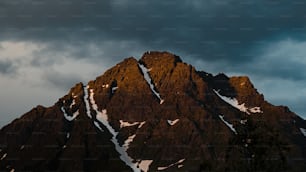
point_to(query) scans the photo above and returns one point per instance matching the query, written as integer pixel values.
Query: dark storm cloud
(35, 14)
(209, 30)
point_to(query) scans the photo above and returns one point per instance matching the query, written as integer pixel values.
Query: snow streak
(4, 156)
(176, 163)
(67, 117)
(86, 101)
(303, 131)
(22, 147)
(73, 102)
(234, 102)
(103, 118)
(147, 77)
(128, 124)
(230, 126)
(98, 126)
(173, 122)
(128, 141)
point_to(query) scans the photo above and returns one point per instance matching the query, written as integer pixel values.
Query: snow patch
(128, 124)
(21, 147)
(144, 165)
(147, 77)
(230, 126)
(234, 102)
(68, 135)
(102, 115)
(73, 103)
(173, 122)
(103, 118)
(3, 156)
(95, 107)
(243, 121)
(86, 101)
(12, 170)
(141, 124)
(114, 89)
(67, 117)
(176, 163)
(128, 141)
(303, 131)
(180, 166)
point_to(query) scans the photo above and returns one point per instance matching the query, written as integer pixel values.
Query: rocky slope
(157, 114)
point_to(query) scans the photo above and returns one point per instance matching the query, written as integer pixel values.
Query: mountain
(157, 114)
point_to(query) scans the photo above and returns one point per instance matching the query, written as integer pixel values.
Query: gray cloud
(61, 80)
(284, 59)
(96, 52)
(7, 67)
(298, 103)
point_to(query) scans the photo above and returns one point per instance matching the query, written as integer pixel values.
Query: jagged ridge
(157, 113)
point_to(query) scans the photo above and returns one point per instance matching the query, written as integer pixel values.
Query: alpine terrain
(157, 114)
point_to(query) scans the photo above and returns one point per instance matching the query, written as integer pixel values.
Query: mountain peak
(160, 57)
(155, 114)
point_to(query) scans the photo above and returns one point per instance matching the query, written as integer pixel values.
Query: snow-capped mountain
(157, 114)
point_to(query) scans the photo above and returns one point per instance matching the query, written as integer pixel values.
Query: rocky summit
(157, 114)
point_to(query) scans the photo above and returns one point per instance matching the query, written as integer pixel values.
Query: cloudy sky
(46, 46)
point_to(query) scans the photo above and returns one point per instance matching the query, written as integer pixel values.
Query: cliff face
(157, 113)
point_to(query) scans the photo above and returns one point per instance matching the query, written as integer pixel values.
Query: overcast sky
(46, 46)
